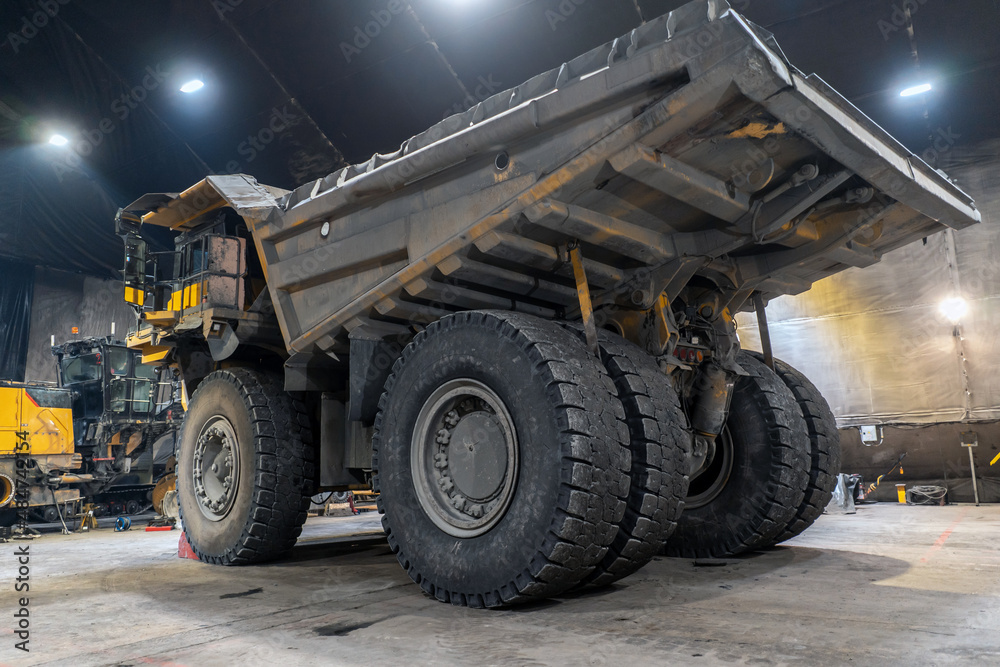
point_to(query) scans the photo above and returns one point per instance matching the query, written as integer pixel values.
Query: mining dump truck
(89, 440)
(519, 327)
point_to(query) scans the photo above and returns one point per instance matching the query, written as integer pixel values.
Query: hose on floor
(926, 495)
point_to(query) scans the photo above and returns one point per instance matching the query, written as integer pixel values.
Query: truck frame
(519, 327)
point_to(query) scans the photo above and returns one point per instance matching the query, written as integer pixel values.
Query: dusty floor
(889, 585)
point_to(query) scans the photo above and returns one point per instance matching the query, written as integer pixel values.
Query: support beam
(619, 236)
(765, 334)
(586, 307)
(681, 181)
(414, 313)
(465, 298)
(369, 329)
(775, 213)
(478, 273)
(854, 254)
(542, 256)
(831, 240)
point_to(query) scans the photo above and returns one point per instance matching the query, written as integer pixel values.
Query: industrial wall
(934, 455)
(878, 346)
(65, 300)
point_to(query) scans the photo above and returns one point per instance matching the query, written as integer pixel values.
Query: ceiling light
(915, 90)
(192, 85)
(58, 140)
(954, 308)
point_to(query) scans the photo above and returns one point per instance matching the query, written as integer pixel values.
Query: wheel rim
(6, 490)
(464, 458)
(706, 487)
(216, 468)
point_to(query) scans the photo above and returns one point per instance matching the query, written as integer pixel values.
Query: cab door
(10, 418)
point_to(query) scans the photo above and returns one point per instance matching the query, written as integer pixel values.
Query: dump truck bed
(689, 147)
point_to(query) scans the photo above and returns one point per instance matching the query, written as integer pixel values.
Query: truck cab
(120, 407)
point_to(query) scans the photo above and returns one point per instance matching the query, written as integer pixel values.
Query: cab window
(81, 369)
(119, 395)
(145, 371)
(142, 394)
(118, 360)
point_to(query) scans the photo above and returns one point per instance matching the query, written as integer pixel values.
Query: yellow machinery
(90, 439)
(37, 446)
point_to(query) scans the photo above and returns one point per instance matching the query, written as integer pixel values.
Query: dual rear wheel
(513, 464)
(774, 469)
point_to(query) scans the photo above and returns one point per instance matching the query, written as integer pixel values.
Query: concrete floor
(890, 585)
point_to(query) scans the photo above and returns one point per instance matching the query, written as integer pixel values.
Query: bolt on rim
(706, 486)
(216, 468)
(464, 458)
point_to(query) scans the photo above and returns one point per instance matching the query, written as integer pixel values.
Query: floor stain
(342, 629)
(252, 591)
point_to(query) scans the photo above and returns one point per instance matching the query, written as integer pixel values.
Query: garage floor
(891, 584)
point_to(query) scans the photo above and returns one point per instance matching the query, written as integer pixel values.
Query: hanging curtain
(17, 282)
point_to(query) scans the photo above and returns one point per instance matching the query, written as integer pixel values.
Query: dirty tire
(768, 480)
(659, 443)
(276, 468)
(571, 477)
(824, 441)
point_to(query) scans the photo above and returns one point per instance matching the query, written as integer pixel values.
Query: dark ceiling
(295, 89)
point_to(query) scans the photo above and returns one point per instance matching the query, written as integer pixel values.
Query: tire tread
(659, 443)
(594, 462)
(778, 497)
(284, 468)
(824, 447)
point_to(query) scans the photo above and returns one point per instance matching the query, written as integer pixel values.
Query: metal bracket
(583, 293)
(765, 335)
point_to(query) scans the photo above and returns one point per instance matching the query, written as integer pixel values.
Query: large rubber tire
(571, 481)
(660, 444)
(767, 481)
(275, 465)
(824, 447)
